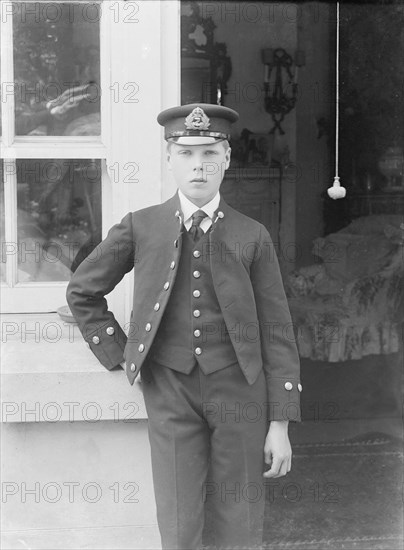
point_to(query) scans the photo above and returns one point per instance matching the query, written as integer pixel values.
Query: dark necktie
(195, 231)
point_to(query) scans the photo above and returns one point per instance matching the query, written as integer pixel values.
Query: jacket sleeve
(278, 343)
(95, 277)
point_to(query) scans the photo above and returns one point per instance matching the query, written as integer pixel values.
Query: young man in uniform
(209, 332)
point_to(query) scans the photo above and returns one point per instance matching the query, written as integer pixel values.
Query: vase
(391, 165)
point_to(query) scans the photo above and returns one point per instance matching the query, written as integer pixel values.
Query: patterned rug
(346, 495)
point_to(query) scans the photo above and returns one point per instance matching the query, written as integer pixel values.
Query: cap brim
(195, 140)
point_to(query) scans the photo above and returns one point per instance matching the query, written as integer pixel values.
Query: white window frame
(129, 137)
(38, 296)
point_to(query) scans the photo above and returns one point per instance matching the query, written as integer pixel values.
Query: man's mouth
(198, 180)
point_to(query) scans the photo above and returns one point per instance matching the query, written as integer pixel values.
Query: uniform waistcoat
(192, 328)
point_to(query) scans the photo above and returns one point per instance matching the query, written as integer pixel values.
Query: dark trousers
(207, 436)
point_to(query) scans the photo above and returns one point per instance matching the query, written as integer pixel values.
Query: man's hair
(225, 143)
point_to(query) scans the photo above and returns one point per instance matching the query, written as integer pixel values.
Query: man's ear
(168, 158)
(228, 157)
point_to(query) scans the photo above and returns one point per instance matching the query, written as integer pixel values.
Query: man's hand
(277, 449)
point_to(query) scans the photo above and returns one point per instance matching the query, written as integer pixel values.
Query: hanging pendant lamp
(337, 191)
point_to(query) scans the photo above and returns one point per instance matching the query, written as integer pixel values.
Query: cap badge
(197, 120)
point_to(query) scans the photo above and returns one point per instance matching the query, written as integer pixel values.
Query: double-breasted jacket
(247, 283)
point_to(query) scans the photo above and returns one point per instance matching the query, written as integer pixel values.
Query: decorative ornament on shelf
(280, 83)
(337, 191)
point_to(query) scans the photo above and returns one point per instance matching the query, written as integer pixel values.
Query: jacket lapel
(219, 238)
(167, 225)
(230, 276)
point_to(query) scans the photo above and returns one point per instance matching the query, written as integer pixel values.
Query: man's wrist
(279, 424)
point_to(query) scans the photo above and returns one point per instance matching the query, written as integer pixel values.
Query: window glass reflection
(58, 216)
(57, 68)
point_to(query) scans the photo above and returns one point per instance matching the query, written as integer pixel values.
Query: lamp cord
(336, 191)
(337, 96)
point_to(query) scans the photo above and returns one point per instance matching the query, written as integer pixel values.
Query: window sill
(49, 375)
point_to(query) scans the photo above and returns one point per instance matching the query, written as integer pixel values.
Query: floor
(348, 399)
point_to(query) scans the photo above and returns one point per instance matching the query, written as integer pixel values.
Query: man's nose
(198, 163)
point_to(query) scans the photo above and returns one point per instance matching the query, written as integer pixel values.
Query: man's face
(198, 170)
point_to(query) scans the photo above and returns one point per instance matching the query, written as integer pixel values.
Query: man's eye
(211, 153)
(184, 152)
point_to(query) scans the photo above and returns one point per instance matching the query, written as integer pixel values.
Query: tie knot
(197, 217)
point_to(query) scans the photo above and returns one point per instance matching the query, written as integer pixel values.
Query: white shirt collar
(188, 207)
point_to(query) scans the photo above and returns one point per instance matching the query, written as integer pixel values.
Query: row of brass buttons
(196, 294)
(156, 307)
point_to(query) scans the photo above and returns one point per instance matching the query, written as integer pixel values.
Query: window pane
(57, 68)
(58, 217)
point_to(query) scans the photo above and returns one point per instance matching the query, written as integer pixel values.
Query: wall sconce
(280, 83)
